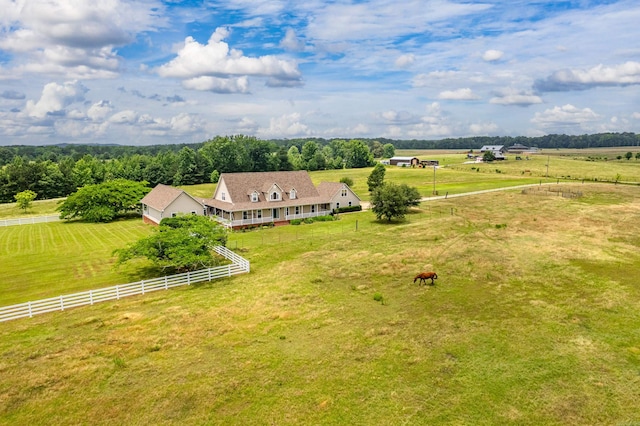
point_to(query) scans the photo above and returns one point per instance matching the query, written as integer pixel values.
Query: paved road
(366, 205)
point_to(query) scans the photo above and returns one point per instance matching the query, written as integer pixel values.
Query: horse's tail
(417, 276)
(435, 275)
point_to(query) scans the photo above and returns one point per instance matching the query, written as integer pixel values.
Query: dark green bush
(348, 209)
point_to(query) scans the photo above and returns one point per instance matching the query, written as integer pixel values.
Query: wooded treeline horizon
(53, 171)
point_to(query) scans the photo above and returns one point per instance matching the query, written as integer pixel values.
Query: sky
(149, 72)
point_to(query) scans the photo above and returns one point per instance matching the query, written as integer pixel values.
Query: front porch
(252, 218)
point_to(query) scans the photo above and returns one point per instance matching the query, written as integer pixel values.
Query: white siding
(184, 204)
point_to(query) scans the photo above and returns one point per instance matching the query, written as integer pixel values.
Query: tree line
(53, 171)
(58, 171)
(552, 141)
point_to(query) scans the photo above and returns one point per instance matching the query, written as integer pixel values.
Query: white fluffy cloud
(566, 115)
(405, 61)
(492, 55)
(55, 98)
(218, 85)
(464, 94)
(215, 59)
(514, 97)
(288, 125)
(73, 37)
(600, 75)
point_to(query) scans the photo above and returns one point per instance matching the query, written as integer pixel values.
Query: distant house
(404, 161)
(167, 201)
(517, 148)
(249, 199)
(494, 148)
(498, 151)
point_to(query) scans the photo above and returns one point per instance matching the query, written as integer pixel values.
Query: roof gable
(162, 196)
(240, 185)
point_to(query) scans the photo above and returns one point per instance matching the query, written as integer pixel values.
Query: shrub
(324, 218)
(348, 209)
(295, 221)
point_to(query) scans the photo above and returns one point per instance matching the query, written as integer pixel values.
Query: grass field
(50, 259)
(534, 320)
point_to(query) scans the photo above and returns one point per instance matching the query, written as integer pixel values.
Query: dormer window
(292, 194)
(275, 196)
(254, 197)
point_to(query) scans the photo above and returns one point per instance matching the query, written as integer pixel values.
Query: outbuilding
(404, 161)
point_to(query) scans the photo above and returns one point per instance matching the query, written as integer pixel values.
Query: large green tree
(376, 178)
(105, 201)
(392, 201)
(182, 243)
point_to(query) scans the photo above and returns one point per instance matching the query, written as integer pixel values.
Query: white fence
(240, 265)
(29, 220)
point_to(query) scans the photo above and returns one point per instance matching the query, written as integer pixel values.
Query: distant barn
(429, 163)
(404, 161)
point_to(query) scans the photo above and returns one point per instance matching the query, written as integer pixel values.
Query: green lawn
(49, 259)
(533, 320)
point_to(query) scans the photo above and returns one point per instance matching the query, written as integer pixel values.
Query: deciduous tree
(24, 199)
(183, 243)
(103, 202)
(392, 201)
(376, 178)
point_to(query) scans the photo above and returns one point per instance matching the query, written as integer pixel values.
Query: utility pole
(547, 166)
(434, 179)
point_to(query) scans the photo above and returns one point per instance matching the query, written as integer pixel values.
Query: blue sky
(151, 72)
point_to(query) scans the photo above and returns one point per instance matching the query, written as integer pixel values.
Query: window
(292, 194)
(254, 197)
(275, 196)
(245, 215)
(337, 205)
(349, 203)
(344, 192)
(223, 196)
(174, 214)
(193, 213)
(313, 208)
(259, 214)
(297, 209)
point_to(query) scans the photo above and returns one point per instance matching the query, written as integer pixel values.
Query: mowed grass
(38, 208)
(46, 260)
(534, 320)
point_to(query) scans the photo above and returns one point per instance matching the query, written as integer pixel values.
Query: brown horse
(424, 276)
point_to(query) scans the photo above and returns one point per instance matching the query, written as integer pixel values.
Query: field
(49, 259)
(534, 319)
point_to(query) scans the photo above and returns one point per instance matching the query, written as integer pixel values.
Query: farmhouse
(248, 199)
(498, 150)
(167, 201)
(404, 161)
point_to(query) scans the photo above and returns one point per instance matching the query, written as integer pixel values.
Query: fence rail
(239, 265)
(29, 220)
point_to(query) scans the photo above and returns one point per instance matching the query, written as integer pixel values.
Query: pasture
(50, 259)
(534, 319)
